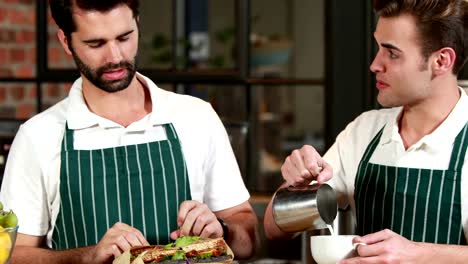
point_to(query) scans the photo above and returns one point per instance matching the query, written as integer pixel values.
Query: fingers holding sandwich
(119, 238)
(196, 219)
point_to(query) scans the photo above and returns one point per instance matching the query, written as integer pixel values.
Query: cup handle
(356, 245)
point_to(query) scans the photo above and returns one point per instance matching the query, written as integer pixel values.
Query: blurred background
(280, 73)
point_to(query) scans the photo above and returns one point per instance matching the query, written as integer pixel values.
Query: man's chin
(113, 86)
(389, 105)
(385, 102)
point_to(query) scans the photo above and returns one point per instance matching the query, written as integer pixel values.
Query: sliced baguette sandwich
(188, 249)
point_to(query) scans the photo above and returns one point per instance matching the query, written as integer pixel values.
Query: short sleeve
(225, 187)
(23, 188)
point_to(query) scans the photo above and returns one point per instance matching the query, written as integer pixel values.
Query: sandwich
(185, 250)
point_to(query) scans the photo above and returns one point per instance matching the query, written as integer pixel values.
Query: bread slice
(214, 247)
(158, 255)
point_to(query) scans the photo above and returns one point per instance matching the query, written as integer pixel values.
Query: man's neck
(417, 121)
(123, 107)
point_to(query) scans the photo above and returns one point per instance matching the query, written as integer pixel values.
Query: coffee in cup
(331, 249)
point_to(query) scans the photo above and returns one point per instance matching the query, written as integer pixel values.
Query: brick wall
(18, 60)
(17, 38)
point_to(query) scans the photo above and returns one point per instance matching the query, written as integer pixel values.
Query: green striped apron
(141, 185)
(422, 205)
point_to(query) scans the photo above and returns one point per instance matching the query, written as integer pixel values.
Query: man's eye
(393, 55)
(95, 45)
(124, 38)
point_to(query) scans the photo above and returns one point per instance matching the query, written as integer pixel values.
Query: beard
(95, 76)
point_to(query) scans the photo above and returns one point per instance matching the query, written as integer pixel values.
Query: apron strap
(170, 131)
(459, 150)
(371, 147)
(367, 155)
(67, 142)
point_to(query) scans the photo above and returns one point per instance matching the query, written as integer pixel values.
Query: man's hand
(305, 165)
(196, 219)
(386, 247)
(117, 239)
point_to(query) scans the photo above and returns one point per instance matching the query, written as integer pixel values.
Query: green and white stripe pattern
(422, 205)
(141, 185)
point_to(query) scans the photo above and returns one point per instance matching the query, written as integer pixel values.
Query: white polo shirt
(433, 151)
(32, 175)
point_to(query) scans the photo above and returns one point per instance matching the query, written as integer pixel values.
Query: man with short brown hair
(402, 169)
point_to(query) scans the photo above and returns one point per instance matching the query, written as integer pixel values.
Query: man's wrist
(225, 229)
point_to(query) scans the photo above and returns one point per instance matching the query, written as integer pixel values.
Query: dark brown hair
(62, 10)
(440, 23)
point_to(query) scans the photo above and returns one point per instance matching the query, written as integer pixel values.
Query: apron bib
(422, 205)
(141, 185)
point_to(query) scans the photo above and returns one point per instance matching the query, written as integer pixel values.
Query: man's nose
(376, 65)
(114, 53)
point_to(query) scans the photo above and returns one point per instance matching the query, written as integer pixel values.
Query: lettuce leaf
(179, 255)
(186, 240)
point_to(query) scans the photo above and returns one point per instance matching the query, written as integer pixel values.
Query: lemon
(5, 246)
(3, 255)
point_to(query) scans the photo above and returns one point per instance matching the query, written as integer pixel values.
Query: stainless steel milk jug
(303, 208)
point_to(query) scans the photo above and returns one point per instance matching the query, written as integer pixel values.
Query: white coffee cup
(331, 249)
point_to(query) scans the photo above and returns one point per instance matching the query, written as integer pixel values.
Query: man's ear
(443, 61)
(64, 41)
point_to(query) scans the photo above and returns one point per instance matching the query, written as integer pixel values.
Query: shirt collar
(390, 132)
(445, 134)
(161, 102)
(79, 116)
(442, 136)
